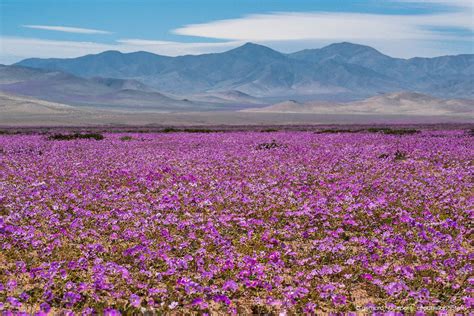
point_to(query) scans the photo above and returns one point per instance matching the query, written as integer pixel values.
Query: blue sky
(70, 28)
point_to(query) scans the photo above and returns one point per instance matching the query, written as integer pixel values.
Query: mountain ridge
(260, 71)
(110, 93)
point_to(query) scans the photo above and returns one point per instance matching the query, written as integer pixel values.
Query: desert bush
(188, 130)
(126, 138)
(96, 136)
(400, 155)
(336, 131)
(271, 145)
(377, 129)
(199, 130)
(401, 132)
(169, 130)
(391, 131)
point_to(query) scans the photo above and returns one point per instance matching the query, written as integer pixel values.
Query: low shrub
(336, 131)
(75, 136)
(390, 131)
(400, 155)
(378, 129)
(401, 132)
(273, 144)
(188, 130)
(169, 130)
(199, 130)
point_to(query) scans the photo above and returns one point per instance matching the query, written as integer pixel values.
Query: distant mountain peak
(255, 49)
(109, 53)
(350, 48)
(348, 45)
(253, 46)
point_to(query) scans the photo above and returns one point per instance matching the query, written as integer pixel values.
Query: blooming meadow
(236, 223)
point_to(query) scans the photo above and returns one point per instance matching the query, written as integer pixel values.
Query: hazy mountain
(123, 84)
(16, 105)
(227, 97)
(13, 74)
(441, 76)
(399, 103)
(293, 106)
(341, 68)
(57, 86)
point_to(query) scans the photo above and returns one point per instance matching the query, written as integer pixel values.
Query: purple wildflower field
(237, 223)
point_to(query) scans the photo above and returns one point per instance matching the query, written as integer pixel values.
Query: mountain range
(251, 83)
(109, 93)
(342, 69)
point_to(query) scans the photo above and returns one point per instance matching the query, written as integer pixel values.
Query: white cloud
(13, 49)
(20, 47)
(66, 29)
(176, 48)
(395, 35)
(330, 25)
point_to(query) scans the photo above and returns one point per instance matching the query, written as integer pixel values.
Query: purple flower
(367, 276)
(187, 220)
(111, 312)
(200, 303)
(45, 307)
(339, 299)
(15, 303)
(222, 298)
(230, 285)
(135, 300)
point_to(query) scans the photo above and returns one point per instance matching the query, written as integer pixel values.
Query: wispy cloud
(13, 49)
(397, 35)
(171, 48)
(330, 25)
(66, 29)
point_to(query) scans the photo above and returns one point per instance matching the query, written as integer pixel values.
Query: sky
(72, 28)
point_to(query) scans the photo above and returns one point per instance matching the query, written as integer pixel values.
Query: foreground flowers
(217, 222)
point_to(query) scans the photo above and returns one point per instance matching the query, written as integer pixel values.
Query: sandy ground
(213, 118)
(24, 111)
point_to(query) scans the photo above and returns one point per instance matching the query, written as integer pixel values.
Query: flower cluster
(208, 223)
